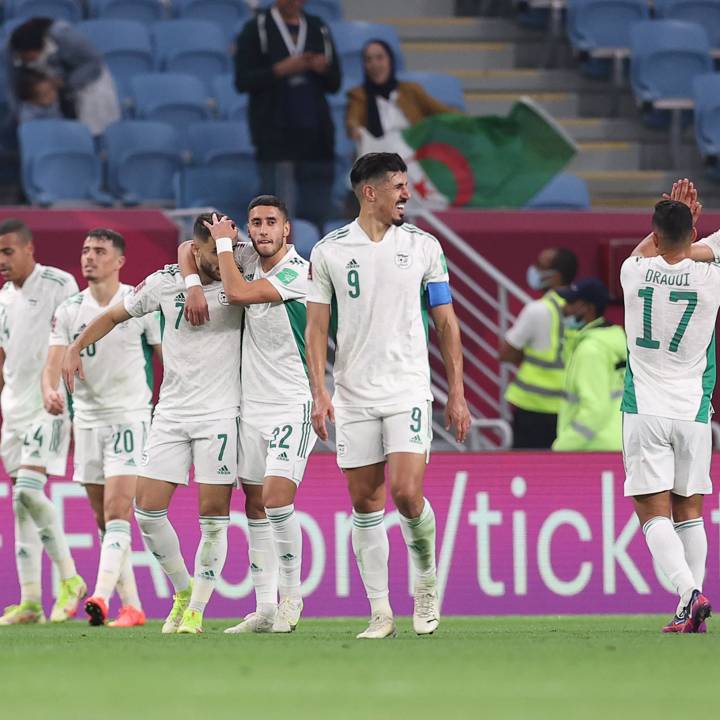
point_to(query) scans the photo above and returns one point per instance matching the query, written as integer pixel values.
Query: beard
(210, 271)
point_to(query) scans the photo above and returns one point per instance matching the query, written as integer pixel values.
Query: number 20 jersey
(670, 315)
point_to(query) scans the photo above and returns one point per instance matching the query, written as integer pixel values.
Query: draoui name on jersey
(660, 278)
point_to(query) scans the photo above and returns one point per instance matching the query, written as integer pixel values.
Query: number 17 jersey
(670, 315)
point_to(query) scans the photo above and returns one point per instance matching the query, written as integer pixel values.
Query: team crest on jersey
(403, 260)
(222, 298)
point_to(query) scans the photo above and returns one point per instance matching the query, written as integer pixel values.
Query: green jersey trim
(629, 401)
(297, 315)
(708, 383)
(425, 314)
(162, 325)
(148, 353)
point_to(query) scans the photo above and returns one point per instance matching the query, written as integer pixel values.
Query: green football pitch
(519, 667)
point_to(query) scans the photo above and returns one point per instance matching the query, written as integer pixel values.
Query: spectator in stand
(38, 96)
(589, 418)
(85, 86)
(383, 104)
(537, 343)
(286, 61)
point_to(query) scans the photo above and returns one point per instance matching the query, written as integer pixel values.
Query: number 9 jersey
(670, 315)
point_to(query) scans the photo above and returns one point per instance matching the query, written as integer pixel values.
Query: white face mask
(538, 279)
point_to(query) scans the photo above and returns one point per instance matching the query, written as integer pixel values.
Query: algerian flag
(487, 161)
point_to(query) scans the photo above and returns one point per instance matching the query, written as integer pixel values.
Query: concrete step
(446, 56)
(608, 129)
(460, 28)
(606, 156)
(629, 183)
(498, 103)
(374, 9)
(527, 80)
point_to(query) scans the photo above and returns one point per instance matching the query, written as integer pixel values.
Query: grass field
(519, 667)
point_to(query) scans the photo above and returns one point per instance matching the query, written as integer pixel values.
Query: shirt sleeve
(145, 297)
(291, 282)
(320, 287)
(529, 328)
(60, 327)
(436, 266)
(713, 242)
(151, 328)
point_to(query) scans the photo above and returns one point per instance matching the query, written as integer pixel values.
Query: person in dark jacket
(286, 61)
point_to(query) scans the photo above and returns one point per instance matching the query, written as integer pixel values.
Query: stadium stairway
(625, 164)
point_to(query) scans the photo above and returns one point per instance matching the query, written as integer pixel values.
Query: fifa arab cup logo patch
(403, 260)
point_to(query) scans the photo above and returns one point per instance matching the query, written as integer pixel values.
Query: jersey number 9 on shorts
(646, 341)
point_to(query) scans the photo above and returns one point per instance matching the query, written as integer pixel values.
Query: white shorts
(108, 451)
(663, 454)
(44, 444)
(364, 436)
(210, 445)
(275, 440)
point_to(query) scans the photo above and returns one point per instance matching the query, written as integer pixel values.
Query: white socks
(419, 535)
(29, 494)
(372, 550)
(694, 540)
(668, 552)
(288, 545)
(263, 565)
(209, 559)
(113, 555)
(28, 555)
(162, 541)
(125, 586)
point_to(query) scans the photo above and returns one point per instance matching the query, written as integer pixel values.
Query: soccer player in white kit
(111, 415)
(34, 443)
(195, 422)
(671, 306)
(269, 279)
(383, 277)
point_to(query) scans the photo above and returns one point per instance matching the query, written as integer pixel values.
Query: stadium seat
(350, 37)
(231, 104)
(126, 47)
(227, 190)
(227, 14)
(706, 91)
(196, 47)
(445, 88)
(303, 235)
(170, 97)
(144, 11)
(599, 26)
(142, 159)
(328, 10)
(222, 143)
(703, 12)
(70, 10)
(344, 146)
(59, 163)
(564, 192)
(331, 225)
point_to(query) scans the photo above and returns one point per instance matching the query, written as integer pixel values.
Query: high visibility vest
(540, 381)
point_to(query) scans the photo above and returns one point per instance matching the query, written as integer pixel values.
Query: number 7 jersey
(670, 315)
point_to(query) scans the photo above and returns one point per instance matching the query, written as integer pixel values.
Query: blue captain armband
(438, 293)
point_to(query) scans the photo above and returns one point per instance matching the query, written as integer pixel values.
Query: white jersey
(382, 353)
(670, 315)
(201, 365)
(274, 369)
(25, 319)
(118, 372)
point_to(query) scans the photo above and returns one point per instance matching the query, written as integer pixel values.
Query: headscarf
(373, 90)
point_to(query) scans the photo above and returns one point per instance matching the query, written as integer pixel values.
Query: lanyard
(292, 48)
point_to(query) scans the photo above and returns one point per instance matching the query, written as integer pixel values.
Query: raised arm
(96, 330)
(196, 307)
(316, 342)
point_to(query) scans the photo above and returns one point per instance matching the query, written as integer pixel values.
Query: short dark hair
(565, 262)
(269, 201)
(30, 35)
(13, 225)
(199, 230)
(26, 82)
(117, 240)
(672, 221)
(373, 166)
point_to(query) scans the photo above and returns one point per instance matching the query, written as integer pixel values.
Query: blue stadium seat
(170, 97)
(197, 47)
(703, 12)
(227, 14)
(59, 163)
(351, 35)
(303, 235)
(144, 11)
(70, 10)
(126, 47)
(445, 88)
(596, 25)
(222, 143)
(227, 190)
(331, 225)
(706, 91)
(142, 159)
(231, 104)
(564, 192)
(328, 10)
(344, 146)
(665, 57)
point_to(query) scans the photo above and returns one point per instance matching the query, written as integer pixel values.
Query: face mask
(573, 323)
(537, 279)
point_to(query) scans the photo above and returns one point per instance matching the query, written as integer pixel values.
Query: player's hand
(221, 226)
(684, 191)
(72, 365)
(322, 410)
(457, 415)
(196, 307)
(54, 402)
